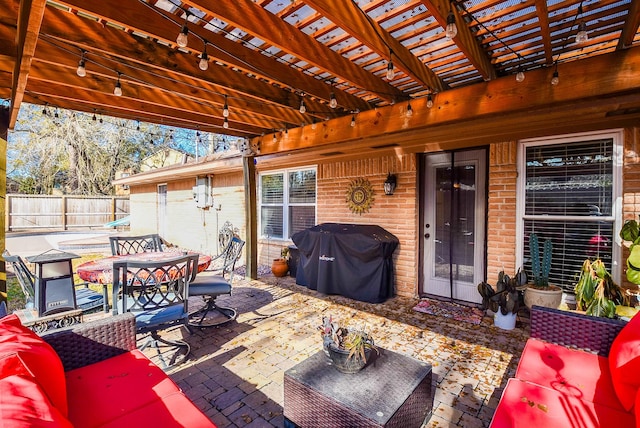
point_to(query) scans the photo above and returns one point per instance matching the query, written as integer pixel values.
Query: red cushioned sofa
(575, 371)
(89, 375)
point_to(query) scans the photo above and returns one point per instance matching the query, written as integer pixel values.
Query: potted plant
(540, 292)
(349, 349)
(280, 267)
(630, 232)
(503, 299)
(596, 292)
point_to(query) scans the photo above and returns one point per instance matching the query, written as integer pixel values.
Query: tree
(80, 153)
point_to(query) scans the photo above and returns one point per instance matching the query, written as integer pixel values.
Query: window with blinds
(569, 198)
(287, 202)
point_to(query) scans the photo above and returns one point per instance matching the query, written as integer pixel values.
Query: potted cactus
(540, 292)
(503, 299)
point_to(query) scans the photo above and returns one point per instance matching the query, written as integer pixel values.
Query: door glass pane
(455, 222)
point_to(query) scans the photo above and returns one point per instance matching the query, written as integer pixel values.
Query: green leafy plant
(630, 232)
(504, 297)
(284, 253)
(540, 268)
(596, 292)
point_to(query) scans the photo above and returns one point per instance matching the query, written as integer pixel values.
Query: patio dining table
(100, 271)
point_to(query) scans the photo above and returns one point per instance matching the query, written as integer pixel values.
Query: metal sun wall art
(359, 196)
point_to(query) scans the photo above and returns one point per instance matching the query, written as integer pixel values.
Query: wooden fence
(37, 212)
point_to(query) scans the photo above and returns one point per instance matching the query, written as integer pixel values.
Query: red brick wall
(631, 187)
(398, 213)
(501, 225)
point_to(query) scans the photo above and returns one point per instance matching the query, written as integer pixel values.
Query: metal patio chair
(122, 245)
(157, 294)
(211, 284)
(87, 300)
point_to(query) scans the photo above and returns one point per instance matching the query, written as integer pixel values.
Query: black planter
(344, 364)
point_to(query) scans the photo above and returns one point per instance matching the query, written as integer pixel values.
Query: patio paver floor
(235, 372)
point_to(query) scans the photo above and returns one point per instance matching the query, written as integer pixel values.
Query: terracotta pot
(550, 297)
(279, 267)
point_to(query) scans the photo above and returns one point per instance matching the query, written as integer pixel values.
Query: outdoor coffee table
(393, 390)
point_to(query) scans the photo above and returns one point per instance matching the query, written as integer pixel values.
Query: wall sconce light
(390, 184)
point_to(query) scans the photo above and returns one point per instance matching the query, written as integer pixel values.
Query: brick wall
(631, 187)
(398, 214)
(501, 214)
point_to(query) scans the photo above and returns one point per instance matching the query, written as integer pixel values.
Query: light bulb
(333, 103)
(117, 91)
(225, 109)
(582, 35)
(390, 73)
(182, 40)
(303, 108)
(225, 124)
(409, 112)
(204, 61)
(313, 123)
(81, 71)
(429, 101)
(555, 79)
(353, 120)
(275, 138)
(451, 30)
(519, 76)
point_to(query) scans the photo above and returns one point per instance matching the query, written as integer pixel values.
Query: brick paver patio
(235, 373)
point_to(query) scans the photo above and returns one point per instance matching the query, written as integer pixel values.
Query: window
(570, 187)
(287, 202)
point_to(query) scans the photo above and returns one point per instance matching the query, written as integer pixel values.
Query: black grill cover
(352, 260)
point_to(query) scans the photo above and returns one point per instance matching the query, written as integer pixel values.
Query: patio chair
(157, 294)
(87, 300)
(122, 245)
(211, 284)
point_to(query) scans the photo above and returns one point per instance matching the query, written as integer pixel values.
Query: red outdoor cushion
(37, 356)
(527, 405)
(24, 404)
(172, 411)
(624, 363)
(104, 392)
(575, 373)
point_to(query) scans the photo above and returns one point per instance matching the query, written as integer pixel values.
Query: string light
(182, 39)
(117, 91)
(225, 109)
(303, 108)
(581, 36)
(333, 103)
(451, 30)
(275, 139)
(555, 79)
(204, 59)
(409, 112)
(313, 123)
(225, 124)
(519, 75)
(353, 120)
(81, 71)
(429, 101)
(390, 71)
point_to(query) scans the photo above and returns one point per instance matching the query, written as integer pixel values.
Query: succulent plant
(504, 297)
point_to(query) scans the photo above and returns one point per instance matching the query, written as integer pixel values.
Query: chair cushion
(526, 405)
(37, 357)
(87, 298)
(207, 284)
(572, 372)
(624, 362)
(24, 404)
(103, 392)
(174, 410)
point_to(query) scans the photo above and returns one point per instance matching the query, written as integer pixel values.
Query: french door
(454, 223)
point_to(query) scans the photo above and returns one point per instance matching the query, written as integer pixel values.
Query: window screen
(569, 200)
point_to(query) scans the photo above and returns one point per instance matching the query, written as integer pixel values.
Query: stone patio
(235, 372)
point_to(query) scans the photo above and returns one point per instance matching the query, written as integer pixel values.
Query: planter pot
(550, 297)
(344, 364)
(505, 322)
(279, 267)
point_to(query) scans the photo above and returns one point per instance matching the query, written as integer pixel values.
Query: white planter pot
(505, 322)
(549, 298)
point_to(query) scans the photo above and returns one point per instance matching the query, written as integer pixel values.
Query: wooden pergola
(264, 59)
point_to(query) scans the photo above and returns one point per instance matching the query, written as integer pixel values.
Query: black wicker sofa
(575, 371)
(88, 375)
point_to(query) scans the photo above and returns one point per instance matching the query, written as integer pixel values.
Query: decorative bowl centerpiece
(349, 350)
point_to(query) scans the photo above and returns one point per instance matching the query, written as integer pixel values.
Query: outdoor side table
(393, 390)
